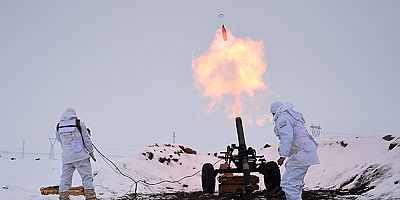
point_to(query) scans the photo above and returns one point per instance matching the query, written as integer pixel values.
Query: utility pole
(52, 141)
(23, 148)
(173, 137)
(316, 130)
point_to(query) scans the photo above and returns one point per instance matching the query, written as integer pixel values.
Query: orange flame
(231, 71)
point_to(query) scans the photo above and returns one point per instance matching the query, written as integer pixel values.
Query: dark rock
(215, 154)
(188, 150)
(169, 188)
(5, 187)
(267, 146)
(175, 159)
(161, 159)
(154, 145)
(185, 186)
(396, 182)
(388, 137)
(170, 156)
(178, 152)
(144, 154)
(150, 155)
(167, 145)
(392, 146)
(350, 180)
(37, 158)
(343, 144)
(361, 183)
(13, 158)
(164, 159)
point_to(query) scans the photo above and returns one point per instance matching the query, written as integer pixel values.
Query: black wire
(143, 181)
(175, 181)
(116, 167)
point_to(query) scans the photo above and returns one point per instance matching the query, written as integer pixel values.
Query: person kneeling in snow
(77, 147)
(296, 145)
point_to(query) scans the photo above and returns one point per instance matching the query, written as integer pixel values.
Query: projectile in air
(224, 35)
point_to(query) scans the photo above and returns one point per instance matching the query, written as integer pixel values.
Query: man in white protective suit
(296, 146)
(77, 148)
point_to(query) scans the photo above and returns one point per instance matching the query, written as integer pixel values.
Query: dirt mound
(260, 195)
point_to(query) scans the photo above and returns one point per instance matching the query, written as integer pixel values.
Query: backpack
(78, 126)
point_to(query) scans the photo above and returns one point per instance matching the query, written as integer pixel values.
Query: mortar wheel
(208, 178)
(272, 176)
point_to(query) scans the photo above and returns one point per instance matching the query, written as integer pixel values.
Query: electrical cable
(145, 183)
(175, 181)
(118, 170)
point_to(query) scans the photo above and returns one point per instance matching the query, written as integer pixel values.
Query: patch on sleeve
(282, 124)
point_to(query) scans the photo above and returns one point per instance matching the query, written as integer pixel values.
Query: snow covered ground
(364, 165)
(354, 163)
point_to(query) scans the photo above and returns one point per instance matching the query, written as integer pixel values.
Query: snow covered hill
(156, 163)
(369, 166)
(362, 165)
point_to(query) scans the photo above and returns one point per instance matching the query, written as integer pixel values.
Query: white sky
(126, 68)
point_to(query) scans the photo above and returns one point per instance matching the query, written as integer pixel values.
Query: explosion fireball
(231, 73)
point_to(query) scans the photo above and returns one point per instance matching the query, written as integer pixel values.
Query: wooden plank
(75, 191)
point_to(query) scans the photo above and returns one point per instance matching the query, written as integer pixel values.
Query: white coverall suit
(297, 146)
(75, 154)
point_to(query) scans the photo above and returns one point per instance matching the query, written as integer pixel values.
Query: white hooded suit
(296, 145)
(76, 148)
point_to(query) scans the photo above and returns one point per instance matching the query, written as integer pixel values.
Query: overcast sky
(125, 66)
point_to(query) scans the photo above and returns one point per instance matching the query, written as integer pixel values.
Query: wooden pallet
(74, 191)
